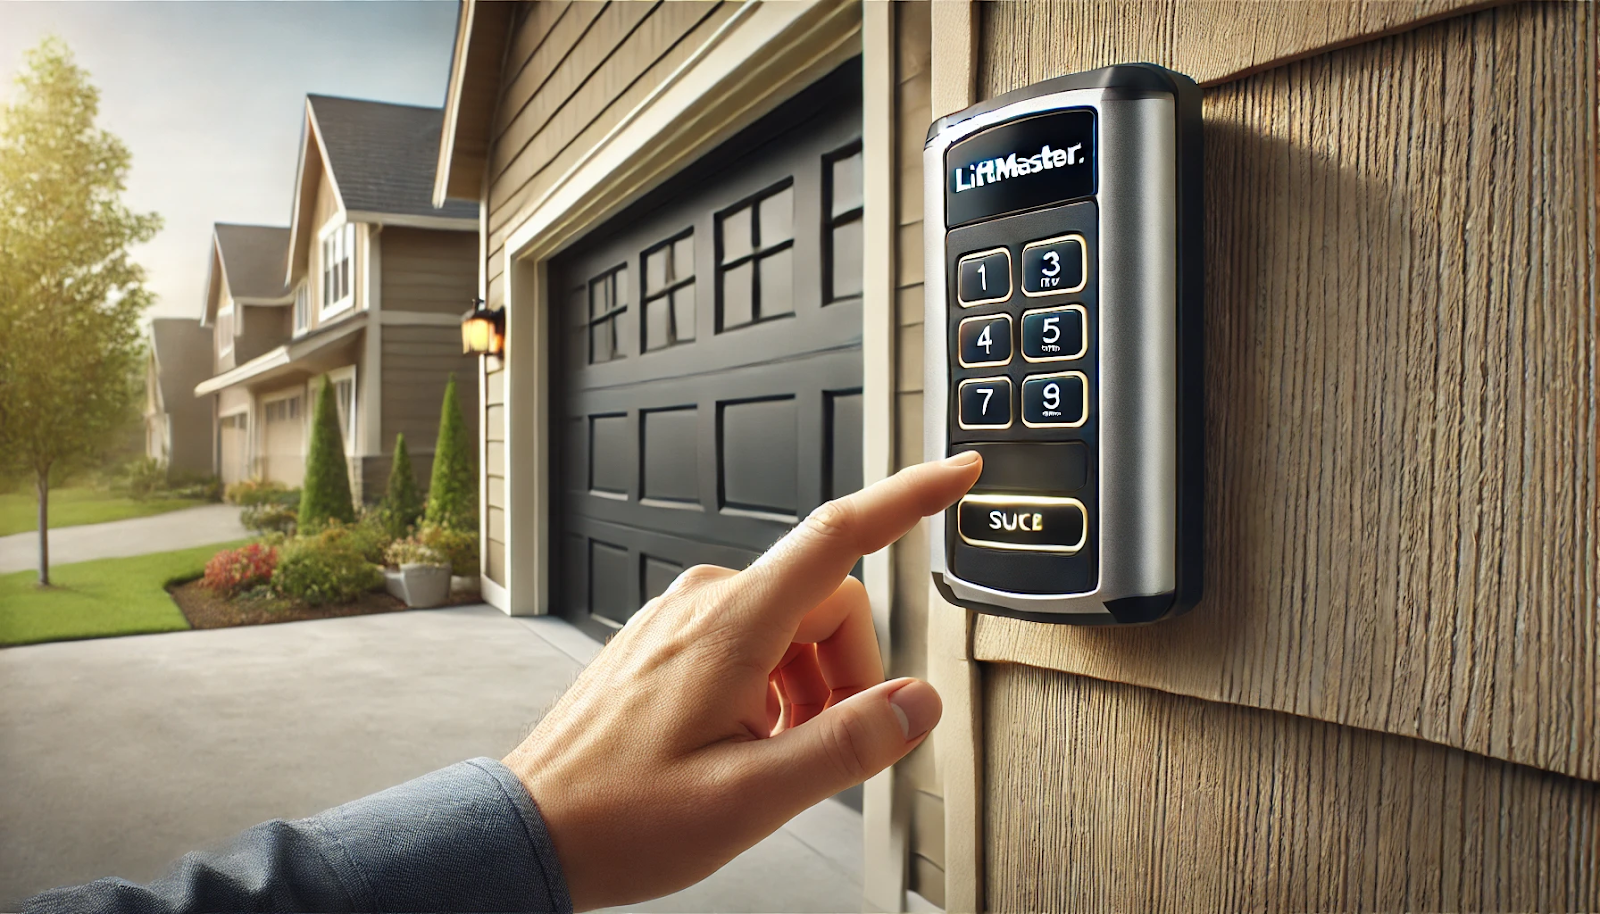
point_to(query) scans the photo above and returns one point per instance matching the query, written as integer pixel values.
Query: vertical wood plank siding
(917, 779)
(572, 71)
(1109, 797)
(1401, 439)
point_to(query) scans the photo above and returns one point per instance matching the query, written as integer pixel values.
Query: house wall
(261, 329)
(223, 361)
(571, 72)
(325, 209)
(429, 271)
(416, 364)
(1388, 698)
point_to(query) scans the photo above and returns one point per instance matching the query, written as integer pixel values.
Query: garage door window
(842, 172)
(755, 241)
(669, 293)
(608, 302)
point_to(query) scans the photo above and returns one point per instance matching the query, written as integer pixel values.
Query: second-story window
(302, 308)
(225, 330)
(338, 252)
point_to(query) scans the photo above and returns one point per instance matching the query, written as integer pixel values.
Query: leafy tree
(453, 490)
(402, 503)
(70, 294)
(325, 495)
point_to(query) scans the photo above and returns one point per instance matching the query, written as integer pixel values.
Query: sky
(209, 96)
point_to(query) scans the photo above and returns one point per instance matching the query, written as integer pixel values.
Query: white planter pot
(464, 583)
(423, 586)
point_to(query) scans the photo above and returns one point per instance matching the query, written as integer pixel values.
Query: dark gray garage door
(707, 385)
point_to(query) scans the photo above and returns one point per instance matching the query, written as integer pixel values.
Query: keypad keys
(985, 341)
(984, 277)
(1055, 334)
(1025, 523)
(984, 403)
(1055, 265)
(1055, 400)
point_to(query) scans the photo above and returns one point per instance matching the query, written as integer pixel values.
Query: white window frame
(336, 244)
(302, 307)
(225, 345)
(347, 373)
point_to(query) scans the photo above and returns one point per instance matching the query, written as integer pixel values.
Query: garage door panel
(708, 393)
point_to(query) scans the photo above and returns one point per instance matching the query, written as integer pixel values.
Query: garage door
(235, 447)
(707, 386)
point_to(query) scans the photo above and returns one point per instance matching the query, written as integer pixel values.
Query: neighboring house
(714, 321)
(365, 287)
(177, 426)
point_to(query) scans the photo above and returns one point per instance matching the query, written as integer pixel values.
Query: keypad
(985, 341)
(985, 403)
(1055, 400)
(984, 277)
(1057, 334)
(1029, 523)
(1055, 265)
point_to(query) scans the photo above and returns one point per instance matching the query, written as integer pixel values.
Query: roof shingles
(383, 156)
(253, 259)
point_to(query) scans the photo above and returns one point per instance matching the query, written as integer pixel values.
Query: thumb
(847, 743)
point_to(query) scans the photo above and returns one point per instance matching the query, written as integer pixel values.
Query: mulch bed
(204, 609)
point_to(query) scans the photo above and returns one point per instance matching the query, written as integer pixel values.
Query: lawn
(19, 513)
(125, 596)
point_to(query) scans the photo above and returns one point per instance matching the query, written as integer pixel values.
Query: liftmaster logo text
(988, 171)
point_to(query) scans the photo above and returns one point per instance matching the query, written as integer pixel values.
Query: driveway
(199, 526)
(118, 755)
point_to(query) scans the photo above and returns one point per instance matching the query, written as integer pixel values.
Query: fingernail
(963, 459)
(917, 706)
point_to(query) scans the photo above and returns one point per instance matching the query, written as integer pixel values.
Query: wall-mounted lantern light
(483, 331)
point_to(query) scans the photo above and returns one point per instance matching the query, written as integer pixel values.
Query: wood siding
(917, 779)
(572, 71)
(1401, 505)
(1109, 797)
(417, 362)
(432, 271)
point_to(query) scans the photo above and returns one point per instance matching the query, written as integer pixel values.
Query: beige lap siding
(429, 271)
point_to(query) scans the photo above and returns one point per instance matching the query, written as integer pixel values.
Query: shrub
(326, 495)
(269, 518)
(233, 571)
(411, 552)
(453, 488)
(366, 538)
(402, 503)
(142, 478)
(260, 492)
(194, 485)
(459, 547)
(318, 572)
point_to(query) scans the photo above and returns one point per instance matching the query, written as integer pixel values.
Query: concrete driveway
(199, 526)
(118, 755)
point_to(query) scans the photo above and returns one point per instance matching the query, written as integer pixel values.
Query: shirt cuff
(463, 838)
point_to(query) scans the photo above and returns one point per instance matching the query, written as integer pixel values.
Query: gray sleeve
(464, 838)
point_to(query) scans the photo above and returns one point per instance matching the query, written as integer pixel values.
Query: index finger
(808, 564)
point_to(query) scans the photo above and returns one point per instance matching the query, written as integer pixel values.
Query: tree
(70, 294)
(325, 495)
(453, 489)
(402, 503)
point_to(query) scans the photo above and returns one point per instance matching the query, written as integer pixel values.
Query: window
(755, 271)
(608, 304)
(302, 308)
(344, 400)
(286, 409)
(842, 224)
(338, 250)
(669, 293)
(225, 330)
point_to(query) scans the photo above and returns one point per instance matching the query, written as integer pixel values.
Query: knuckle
(834, 519)
(844, 739)
(697, 576)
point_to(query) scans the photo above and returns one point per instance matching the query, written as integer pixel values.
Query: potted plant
(423, 578)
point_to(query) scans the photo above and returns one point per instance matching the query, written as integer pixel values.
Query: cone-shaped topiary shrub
(325, 495)
(453, 490)
(402, 503)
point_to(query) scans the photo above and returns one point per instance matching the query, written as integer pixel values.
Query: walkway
(136, 536)
(120, 754)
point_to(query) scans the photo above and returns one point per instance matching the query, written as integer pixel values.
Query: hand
(731, 703)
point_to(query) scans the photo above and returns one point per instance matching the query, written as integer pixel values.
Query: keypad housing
(1019, 445)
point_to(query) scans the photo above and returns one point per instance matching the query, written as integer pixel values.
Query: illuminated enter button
(1027, 523)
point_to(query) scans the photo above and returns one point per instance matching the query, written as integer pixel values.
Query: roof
(482, 30)
(253, 258)
(182, 350)
(383, 156)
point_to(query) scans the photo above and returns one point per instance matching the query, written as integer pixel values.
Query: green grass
(19, 512)
(98, 599)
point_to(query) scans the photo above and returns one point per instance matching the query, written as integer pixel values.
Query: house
(177, 427)
(704, 223)
(365, 287)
